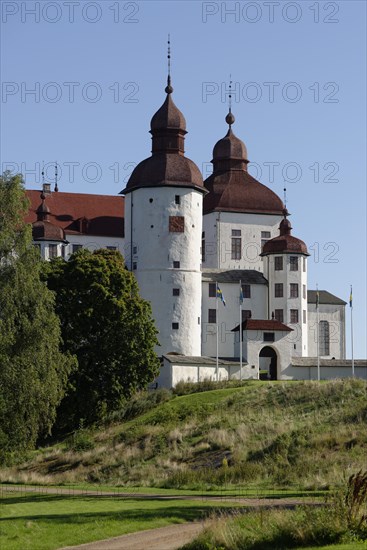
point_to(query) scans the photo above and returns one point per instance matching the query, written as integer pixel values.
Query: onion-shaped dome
(285, 242)
(43, 229)
(168, 164)
(231, 188)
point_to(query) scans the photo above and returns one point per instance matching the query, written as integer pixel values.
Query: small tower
(49, 237)
(285, 259)
(163, 226)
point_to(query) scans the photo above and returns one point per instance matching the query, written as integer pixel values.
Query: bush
(79, 441)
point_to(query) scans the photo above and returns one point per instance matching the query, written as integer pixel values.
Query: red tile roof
(81, 214)
(263, 324)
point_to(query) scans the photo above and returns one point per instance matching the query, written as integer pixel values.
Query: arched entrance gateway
(268, 363)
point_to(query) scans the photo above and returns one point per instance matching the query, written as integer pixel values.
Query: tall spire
(56, 178)
(169, 88)
(230, 117)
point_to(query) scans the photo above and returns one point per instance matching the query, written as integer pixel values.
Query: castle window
(245, 314)
(135, 249)
(212, 290)
(114, 248)
(304, 264)
(175, 326)
(177, 199)
(52, 251)
(278, 290)
(294, 316)
(293, 263)
(269, 337)
(293, 290)
(76, 247)
(236, 244)
(212, 315)
(246, 291)
(304, 292)
(304, 316)
(265, 236)
(176, 265)
(198, 320)
(175, 292)
(203, 246)
(279, 315)
(135, 266)
(278, 263)
(324, 330)
(176, 224)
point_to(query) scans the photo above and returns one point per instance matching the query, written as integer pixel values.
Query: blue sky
(98, 71)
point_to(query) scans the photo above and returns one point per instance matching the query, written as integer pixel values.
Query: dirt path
(164, 538)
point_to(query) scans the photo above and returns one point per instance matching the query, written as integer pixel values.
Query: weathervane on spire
(230, 118)
(56, 178)
(169, 88)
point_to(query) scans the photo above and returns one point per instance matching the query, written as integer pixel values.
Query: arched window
(324, 338)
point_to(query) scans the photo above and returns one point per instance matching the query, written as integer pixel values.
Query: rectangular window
(279, 315)
(293, 290)
(304, 294)
(293, 263)
(175, 292)
(304, 316)
(198, 320)
(212, 290)
(203, 246)
(63, 251)
(175, 326)
(278, 290)
(76, 247)
(324, 338)
(212, 315)
(246, 314)
(135, 249)
(278, 263)
(246, 291)
(176, 265)
(176, 224)
(304, 263)
(135, 266)
(269, 337)
(236, 248)
(52, 251)
(236, 232)
(265, 236)
(177, 199)
(294, 315)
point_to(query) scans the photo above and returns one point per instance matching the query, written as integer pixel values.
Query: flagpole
(351, 326)
(216, 307)
(318, 332)
(240, 334)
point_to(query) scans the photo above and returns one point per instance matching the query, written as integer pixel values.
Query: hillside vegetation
(307, 435)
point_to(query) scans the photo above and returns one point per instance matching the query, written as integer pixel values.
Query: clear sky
(81, 81)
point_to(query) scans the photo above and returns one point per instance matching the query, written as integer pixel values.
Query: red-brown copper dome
(43, 229)
(230, 147)
(285, 242)
(168, 164)
(168, 116)
(231, 188)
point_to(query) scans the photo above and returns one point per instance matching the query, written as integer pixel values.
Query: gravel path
(164, 538)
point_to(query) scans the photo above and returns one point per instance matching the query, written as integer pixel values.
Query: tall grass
(304, 435)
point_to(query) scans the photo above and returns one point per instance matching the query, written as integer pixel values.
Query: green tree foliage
(33, 371)
(109, 327)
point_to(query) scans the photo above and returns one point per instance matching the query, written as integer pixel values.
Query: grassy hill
(307, 435)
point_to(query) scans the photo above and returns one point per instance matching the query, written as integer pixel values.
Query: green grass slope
(305, 435)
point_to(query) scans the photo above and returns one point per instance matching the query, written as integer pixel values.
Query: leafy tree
(109, 328)
(33, 371)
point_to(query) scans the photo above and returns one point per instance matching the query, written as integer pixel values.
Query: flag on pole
(351, 297)
(220, 295)
(241, 295)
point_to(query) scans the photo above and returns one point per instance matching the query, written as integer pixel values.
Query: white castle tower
(285, 266)
(163, 226)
